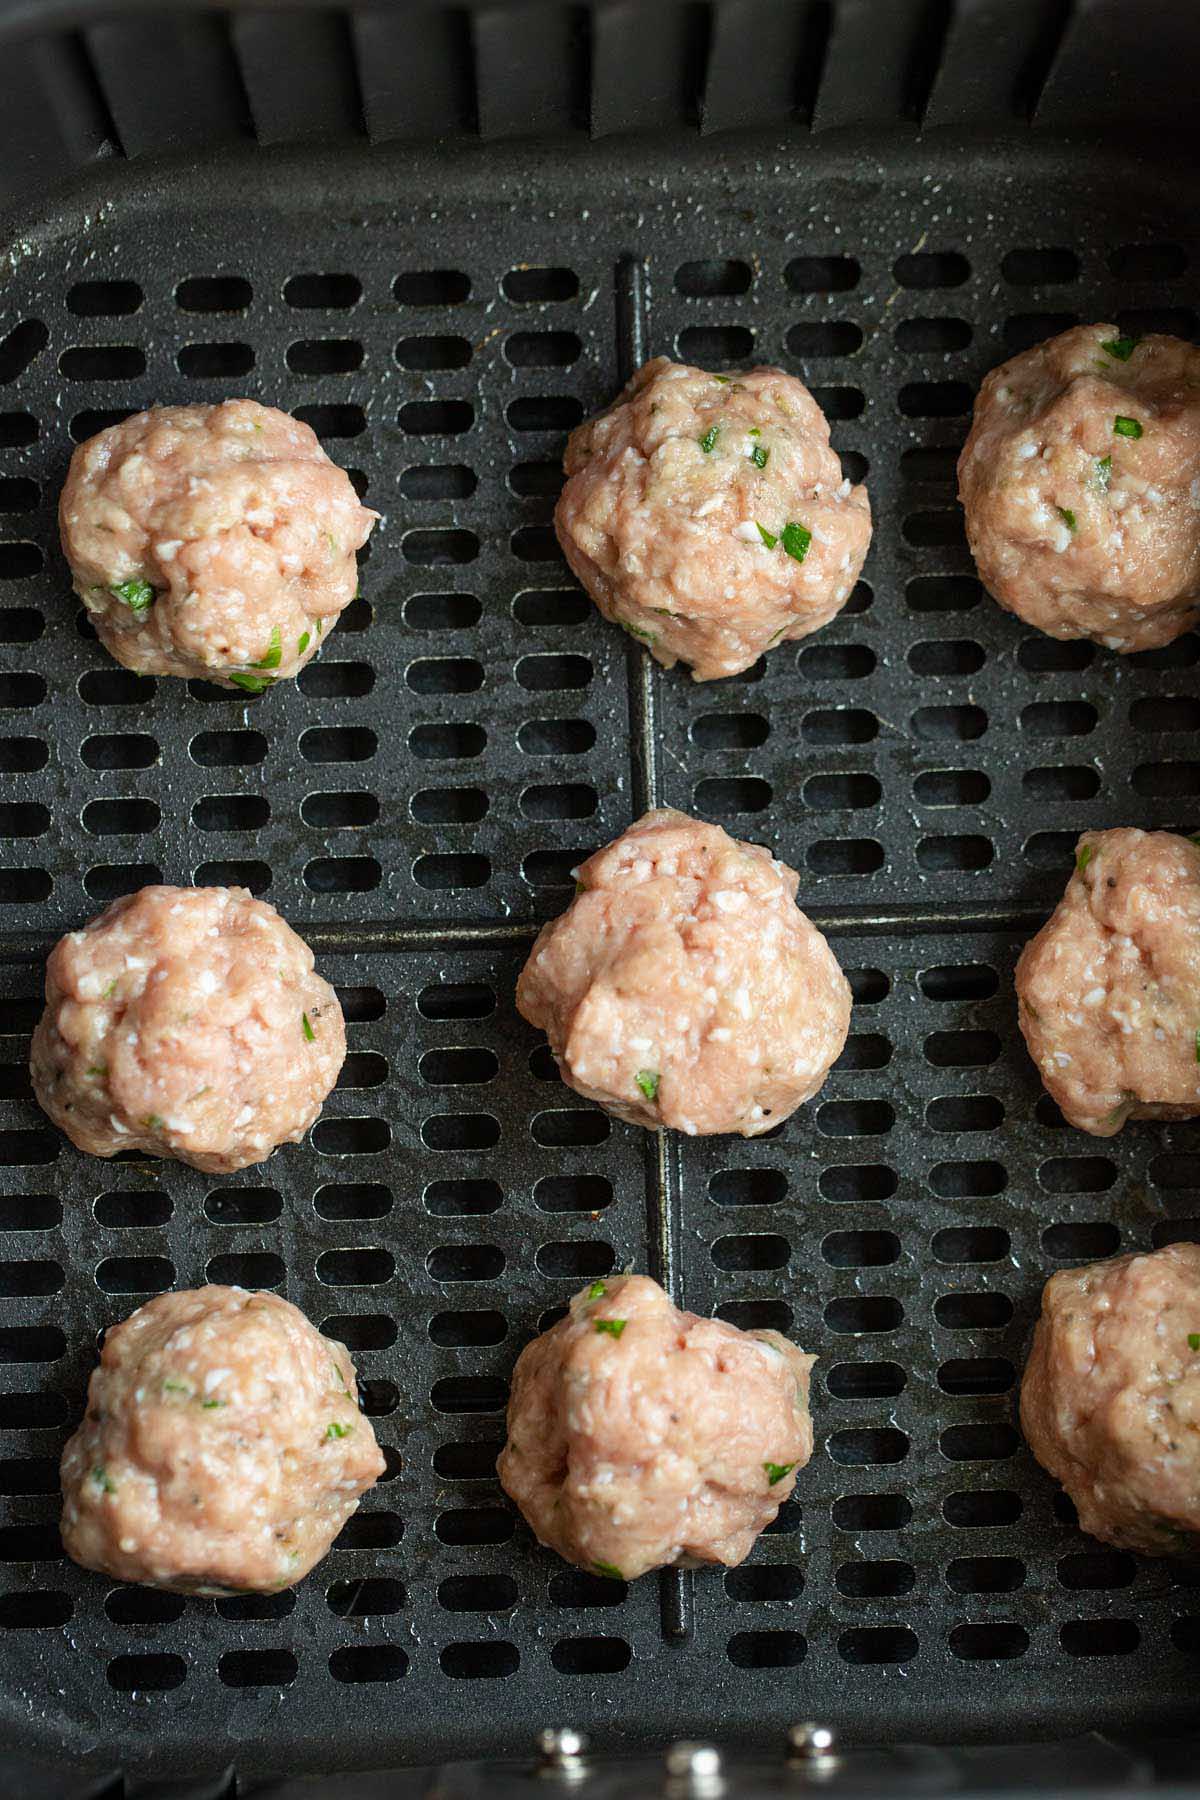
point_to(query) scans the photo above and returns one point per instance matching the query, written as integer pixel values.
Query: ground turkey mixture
(189, 1023)
(708, 515)
(640, 1436)
(213, 541)
(223, 1448)
(1081, 484)
(1111, 1397)
(1109, 989)
(684, 987)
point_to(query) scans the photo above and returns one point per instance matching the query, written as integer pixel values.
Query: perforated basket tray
(414, 804)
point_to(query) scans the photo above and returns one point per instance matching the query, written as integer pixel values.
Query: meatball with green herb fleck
(212, 541)
(1110, 1402)
(1080, 481)
(708, 516)
(641, 1436)
(683, 986)
(187, 1023)
(1109, 989)
(222, 1450)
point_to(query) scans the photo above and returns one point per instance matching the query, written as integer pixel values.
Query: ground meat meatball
(1109, 989)
(1110, 1402)
(1081, 484)
(186, 1022)
(213, 541)
(707, 514)
(222, 1448)
(639, 1435)
(684, 987)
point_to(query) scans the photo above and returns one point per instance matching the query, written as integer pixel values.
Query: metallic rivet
(696, 1767)
(811, 1743)
(560, 1751)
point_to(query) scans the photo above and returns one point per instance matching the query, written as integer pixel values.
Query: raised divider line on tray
(383, 939)
(676, 1587)
(632, 307)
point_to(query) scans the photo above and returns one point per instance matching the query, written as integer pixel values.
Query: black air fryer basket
(442, 234)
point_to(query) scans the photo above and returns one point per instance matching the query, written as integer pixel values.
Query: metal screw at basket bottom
(561, 1752)
(693, 1769)
(812, 1746)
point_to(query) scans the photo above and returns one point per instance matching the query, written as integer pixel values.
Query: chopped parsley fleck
(768, 538)
(1194, 1340)
(176, 1387)
(1067, 517)
(1084, 858)
(310, 1036)
(708, 442)
(321, 618)
(1121, 348)
(253, 684)
(758, 456)
(1125, 427)
(104, 1481)
(138, 595)
(723, 379)
(274, 655)
(647, 1080)
(153, 1122)
(775, 637)
(209, 1405)
(336, 1429)
(777, 1471)
(647, 637)
(302, 642)
(795, 540)
(613, 1327)
(332, 542)
(754, 432)
(597, 1291)
(110, 990)
(1175, 1535)
(98, 1070)
(1103, 473)
(579, 888)
(610, 1571)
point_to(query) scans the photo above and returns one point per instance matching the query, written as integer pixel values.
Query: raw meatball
(213, 541)
(1111, 1398)
(1081, 484)
(222, 1447)
(1109, 989)
(186, 1022)
(707, 514)
(684, 987)
(639, 1435)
